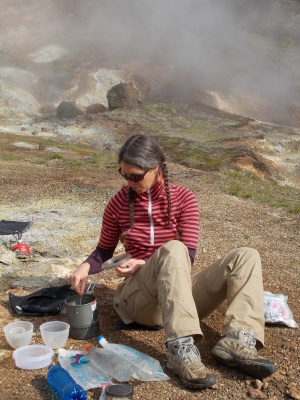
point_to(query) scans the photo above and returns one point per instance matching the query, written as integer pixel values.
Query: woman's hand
(79, 278)
(129, 268)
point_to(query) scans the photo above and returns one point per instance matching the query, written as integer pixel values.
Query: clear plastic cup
(55, 333)
(18, 333)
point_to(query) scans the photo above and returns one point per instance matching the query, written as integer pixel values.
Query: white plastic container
(55, 333)
(33, 356)
(18, 333)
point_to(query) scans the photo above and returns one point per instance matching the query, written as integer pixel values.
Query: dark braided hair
(144, 152)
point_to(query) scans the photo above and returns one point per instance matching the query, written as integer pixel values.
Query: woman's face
(149, 179)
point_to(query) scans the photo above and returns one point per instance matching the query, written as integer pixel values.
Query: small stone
(278, 375)
(257, 384)
(256, 394)
(265, 385)
(293, 392)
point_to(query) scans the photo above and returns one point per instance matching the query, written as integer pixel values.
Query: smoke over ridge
(239, 47)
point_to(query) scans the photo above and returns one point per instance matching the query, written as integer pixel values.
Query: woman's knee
(248, 252)
(173, 254)
(173, 246)
(245, 258)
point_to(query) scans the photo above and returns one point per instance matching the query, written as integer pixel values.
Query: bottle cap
(87, 347)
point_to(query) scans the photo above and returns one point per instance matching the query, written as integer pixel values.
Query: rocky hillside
(52, 53)
(210, 81)
(65, 197)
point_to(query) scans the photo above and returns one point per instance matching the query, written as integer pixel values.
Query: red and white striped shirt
(151, 228)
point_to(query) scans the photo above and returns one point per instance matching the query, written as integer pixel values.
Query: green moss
(247, 185)
(10, 157)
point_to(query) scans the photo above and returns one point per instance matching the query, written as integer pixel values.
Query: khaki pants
(163, 292)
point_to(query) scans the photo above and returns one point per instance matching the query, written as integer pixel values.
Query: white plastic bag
(83, 373)
(277, 311)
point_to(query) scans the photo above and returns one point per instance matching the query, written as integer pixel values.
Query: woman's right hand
(79, 278)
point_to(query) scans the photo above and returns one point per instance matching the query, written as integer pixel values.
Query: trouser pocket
(132, 305)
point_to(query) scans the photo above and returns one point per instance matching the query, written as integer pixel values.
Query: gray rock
(67, 110)
(122, 95)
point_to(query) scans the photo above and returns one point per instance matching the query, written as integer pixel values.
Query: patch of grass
(10, 157)
(167, 108)
(102, 158)
(161, 107)
(234, 189)
(249, 186)
(49, 157)
(200, 160)
(295, 208)
(95, 159)
(188, 153)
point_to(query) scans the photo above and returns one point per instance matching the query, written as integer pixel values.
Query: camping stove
(21, 247)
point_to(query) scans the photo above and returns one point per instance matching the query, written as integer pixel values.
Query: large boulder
(90, 87)
(67, 110)
(95, 109)
(122, 95)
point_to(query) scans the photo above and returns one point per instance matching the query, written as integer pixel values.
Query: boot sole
(253, 368)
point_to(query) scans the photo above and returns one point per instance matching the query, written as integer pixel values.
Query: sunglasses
(133, 177)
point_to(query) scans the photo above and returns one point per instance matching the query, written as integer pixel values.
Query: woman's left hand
(129, 268)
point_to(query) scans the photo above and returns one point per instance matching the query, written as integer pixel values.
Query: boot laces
(189, 354)
(250, 339)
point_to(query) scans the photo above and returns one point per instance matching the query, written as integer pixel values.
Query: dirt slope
(66, 206)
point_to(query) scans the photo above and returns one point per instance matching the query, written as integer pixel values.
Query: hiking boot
(237, 349)
(184, 360)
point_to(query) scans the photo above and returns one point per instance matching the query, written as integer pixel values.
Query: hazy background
(241, 48)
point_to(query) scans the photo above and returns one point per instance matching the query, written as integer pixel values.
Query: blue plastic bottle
(61, 381)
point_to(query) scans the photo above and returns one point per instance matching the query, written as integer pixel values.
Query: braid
(167, 189)
(131, 196)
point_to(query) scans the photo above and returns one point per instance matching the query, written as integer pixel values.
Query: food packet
(276, 310)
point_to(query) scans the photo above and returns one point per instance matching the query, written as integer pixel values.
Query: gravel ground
(66, 208)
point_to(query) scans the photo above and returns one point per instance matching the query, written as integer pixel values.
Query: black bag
(14, 227)
(47, 301)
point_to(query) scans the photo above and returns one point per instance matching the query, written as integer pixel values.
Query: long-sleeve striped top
(151, 227)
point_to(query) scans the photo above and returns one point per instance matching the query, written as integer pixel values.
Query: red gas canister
(21, 248)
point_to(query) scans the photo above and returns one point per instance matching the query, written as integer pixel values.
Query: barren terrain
(66, 204)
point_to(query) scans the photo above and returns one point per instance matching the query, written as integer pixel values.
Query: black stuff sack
(47, 301)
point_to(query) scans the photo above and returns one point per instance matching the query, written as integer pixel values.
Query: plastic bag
(82, 372)
(139, 365)
(277, 311)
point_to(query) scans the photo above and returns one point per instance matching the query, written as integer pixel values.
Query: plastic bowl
(33, 356)
(18, 333)
(55, 333)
